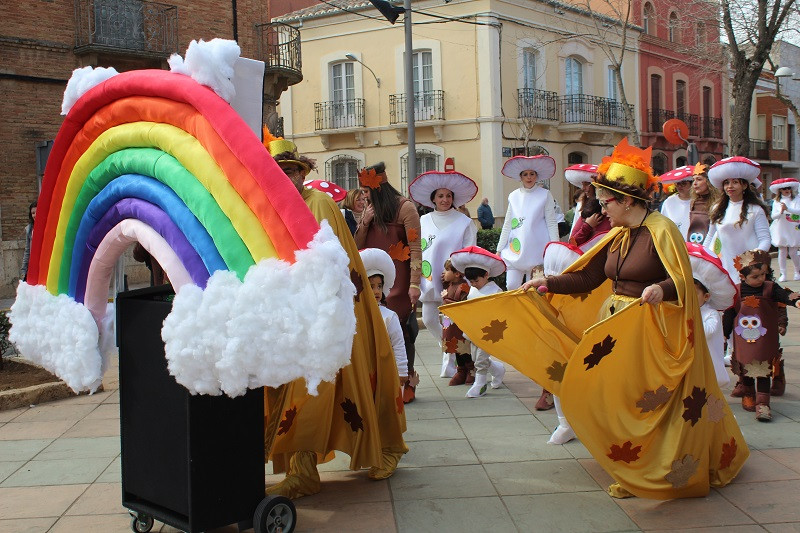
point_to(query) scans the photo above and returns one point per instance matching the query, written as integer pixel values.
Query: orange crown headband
(629, 165)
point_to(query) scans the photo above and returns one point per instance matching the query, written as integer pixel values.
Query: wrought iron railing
(536, 104)
(759, 149)
(130, 27)
(339, 114)
(707, 127)
(428, 105)
(587, 109)
(278, 45)
(711, 127)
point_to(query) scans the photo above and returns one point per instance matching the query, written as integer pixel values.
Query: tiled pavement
(474, 465)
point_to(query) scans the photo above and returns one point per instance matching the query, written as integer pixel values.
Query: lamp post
(351, 57)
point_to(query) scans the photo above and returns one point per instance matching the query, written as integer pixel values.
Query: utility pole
(412, 136)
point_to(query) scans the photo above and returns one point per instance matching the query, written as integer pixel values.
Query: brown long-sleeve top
(641, 268)
(407, 216)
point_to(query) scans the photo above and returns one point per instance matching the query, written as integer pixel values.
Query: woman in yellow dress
(619, 338)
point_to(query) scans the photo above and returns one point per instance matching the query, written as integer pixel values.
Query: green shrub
(5, 344)
(488, 239)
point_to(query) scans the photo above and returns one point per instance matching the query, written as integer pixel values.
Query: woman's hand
(653, 294)
(783, 206)
(367, 216)
(534, 283)
(594, 220)
(413, 294)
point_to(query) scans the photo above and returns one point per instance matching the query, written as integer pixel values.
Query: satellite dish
(676, 131)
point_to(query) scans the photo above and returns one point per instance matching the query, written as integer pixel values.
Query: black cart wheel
(141, 523)
(275, 514)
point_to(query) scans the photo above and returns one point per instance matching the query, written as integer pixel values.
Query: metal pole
(412, 140)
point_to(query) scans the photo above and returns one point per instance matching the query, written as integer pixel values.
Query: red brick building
(681, 75)
(40, 45)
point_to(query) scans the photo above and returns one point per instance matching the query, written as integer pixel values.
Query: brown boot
(763, 413)
(460, 377)
(749, 398)
(738, 389)
(470, 372)
(778, 379)
(545, 401)
(410, 389)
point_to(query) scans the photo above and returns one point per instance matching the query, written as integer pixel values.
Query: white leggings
(791, 252)
(430, 317)
(514, 278)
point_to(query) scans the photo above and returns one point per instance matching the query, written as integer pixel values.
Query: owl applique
(750, 329)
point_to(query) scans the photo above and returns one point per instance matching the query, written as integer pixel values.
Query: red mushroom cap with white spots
(736, 167)
(580, 173)
(331, 189)
(475, 256)
(684, 173)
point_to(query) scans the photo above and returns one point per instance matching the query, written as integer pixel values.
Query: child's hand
(444, 293)
(781, 330)
(797, 303)
(793, 295)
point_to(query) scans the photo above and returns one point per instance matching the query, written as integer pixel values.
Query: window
(422, 70)
(649, 19)
(680, 161)
(778, 133)
(574, 76)
(343, 171)
(576, 158)
(673, 27)
(426, 161)
(343, 94)
(659, 164)
(655, 103)
(680, 98)
(528, 68)
(709, 160)
(700, 36)
(612, 83)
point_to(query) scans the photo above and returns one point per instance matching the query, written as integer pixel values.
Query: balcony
(571, 109)
(711, 127)
(278, 46)
(759, 149)
(428, 105)
(339, 114)
(657, 117)
(126, 27)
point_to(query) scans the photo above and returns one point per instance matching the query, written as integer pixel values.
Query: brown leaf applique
(682, 471)
(370, 178)
(451, 345)
(412, 234)
(494, 331)
(399, 401)
(463, 346)
(416, 264)
(399, 251)
(351, 415)
(715, 408)
(694, 405)
(373, 381)
(653, 399)
(625, 452)
(556, 371)
(288, 418)
(690, 327)
(355, 277)
(599, 350)
(728, 453)
(751, 301)
(758, 369)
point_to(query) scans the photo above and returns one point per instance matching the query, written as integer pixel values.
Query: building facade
(506, 78)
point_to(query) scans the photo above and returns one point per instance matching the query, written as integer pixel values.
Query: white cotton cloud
(58, 334)
(283, 322)
(81, 81)
(209, 63)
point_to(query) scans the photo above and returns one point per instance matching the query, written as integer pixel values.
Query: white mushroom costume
(674, 208)
(377, 262)
(577, 175)
(708, 270)
(785, 227)
(530, 221)
(442, 232)
(727, 238)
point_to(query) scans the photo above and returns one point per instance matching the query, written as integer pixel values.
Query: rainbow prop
(159, 148)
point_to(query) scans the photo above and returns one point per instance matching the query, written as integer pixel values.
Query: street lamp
(351, 57)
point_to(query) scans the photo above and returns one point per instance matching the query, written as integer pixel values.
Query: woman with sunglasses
(786, 223)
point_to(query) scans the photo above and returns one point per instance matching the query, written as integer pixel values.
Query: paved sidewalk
(474, 465)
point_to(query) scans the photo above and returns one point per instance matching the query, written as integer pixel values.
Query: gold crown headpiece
(629, 165)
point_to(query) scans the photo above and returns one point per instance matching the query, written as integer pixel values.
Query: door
(343, 95)
(422, 68)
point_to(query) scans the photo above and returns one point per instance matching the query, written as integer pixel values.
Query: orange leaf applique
(690, 327)
(451, 345)
(369, 178)
(682, 471)
(751, 301)
(286, 423)
(653, 399)
(625, 452)
(494, 331)
(556, 371)
(728, 453)
(399, 252)
(412, 234)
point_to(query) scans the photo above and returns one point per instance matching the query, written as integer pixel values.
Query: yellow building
(505, 75)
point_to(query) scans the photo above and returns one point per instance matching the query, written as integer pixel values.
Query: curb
(36, 394)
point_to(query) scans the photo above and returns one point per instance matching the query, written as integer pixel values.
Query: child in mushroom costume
(637, 385)
(754, 323)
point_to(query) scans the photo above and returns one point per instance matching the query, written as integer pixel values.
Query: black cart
(193, 462)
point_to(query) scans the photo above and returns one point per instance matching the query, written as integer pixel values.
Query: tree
(751, 27)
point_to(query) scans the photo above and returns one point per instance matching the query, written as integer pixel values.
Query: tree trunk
(744, 85)
(630, 117)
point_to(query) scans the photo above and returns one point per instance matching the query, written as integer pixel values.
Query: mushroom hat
(708, 270)
(580, 173)
(331, 189)
(543, 165)
(477, 257)
(736, 167)
(784, 183)
(462, 187)
(558, 256)
(684, 173)
(377, 262)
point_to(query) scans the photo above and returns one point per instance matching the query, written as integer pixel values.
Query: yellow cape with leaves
(362, 412)
(637, 387)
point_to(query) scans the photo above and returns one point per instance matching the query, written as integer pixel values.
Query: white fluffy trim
(81, 81)
(283, 322)
(59, 334)
(210, 64)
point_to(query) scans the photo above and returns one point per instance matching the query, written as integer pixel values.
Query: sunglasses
(604, 203)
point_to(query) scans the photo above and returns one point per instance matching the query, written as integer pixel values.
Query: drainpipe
(235, 22)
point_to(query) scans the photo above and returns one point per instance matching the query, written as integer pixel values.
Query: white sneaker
(783, 277)
(448, 365)
(796, 276)
(497, 370)
(563, 433)
(478, 388)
